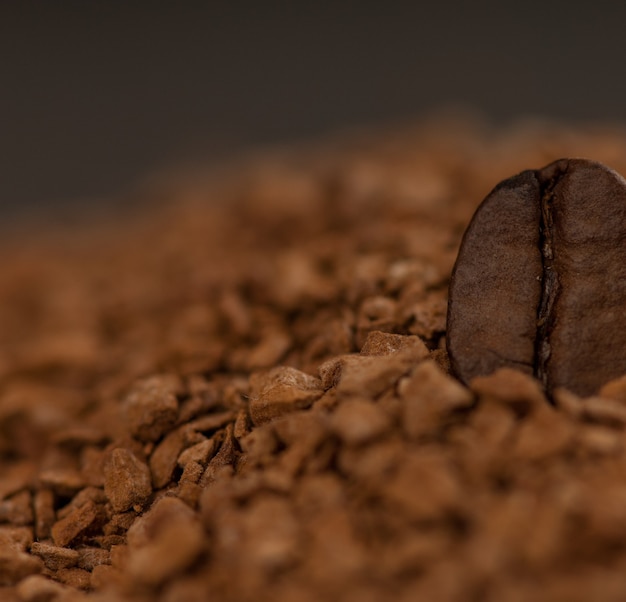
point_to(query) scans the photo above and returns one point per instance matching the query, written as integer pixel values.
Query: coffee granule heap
(243, 393)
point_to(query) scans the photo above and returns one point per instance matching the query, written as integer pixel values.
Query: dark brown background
(95, 95)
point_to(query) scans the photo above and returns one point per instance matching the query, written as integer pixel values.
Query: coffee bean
(540, 280)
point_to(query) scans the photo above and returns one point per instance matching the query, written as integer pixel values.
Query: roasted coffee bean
(540, 280)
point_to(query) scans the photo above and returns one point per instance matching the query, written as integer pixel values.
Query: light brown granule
(126, 480)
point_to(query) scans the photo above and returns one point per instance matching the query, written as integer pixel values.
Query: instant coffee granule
(243, 393)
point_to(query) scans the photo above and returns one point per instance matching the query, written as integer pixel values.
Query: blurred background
(96, 96)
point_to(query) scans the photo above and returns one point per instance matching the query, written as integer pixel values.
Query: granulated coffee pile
(244, 394)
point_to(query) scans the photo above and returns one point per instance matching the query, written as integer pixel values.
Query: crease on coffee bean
(550, 286)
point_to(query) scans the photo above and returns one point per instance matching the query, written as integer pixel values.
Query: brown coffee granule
(126, 480)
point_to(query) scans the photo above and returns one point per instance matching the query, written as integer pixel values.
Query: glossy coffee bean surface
(540, 279)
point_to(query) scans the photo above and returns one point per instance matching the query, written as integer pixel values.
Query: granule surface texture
(243, 393)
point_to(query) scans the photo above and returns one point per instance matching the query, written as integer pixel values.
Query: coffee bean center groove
(549, 282)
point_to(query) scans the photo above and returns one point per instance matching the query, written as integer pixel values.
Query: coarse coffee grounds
(243, 393)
